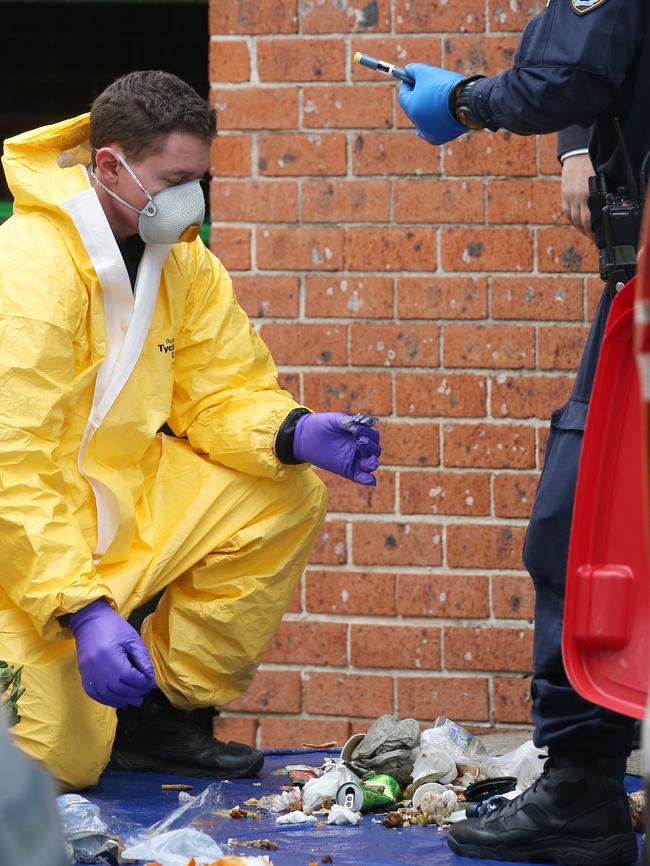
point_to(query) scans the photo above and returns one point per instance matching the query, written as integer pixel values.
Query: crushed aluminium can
(377, 792)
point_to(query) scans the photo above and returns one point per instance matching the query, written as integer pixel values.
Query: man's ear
(106, 165)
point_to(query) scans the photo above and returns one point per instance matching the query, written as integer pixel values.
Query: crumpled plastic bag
(201, 806)
(388, 747)
(343, 815)
(296, 817)
(175, 848)
(326, 786)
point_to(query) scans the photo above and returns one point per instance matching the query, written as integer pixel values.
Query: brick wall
(438, 288)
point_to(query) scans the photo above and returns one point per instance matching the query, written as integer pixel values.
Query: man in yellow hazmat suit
(114, 320)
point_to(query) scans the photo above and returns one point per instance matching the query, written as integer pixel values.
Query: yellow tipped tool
(382, 66)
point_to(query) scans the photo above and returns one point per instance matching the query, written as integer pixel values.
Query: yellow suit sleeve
(47, 566)
(227, 399)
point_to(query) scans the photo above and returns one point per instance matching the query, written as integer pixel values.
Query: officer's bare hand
(576, 171)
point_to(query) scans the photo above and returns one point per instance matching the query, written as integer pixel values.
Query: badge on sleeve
(584, 6)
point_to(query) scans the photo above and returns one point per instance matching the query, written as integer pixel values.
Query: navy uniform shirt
(584, 62)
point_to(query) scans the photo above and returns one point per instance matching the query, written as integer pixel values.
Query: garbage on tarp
(85, 834)
(326, 786)
(297, 817)
(387, 748)
(197, 811)
(175, 848)
(342, 815)
(637, 811)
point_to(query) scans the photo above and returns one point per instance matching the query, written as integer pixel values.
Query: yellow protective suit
(93, 502)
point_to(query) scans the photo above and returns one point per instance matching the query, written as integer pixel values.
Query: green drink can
(368, 798)
(385, 785)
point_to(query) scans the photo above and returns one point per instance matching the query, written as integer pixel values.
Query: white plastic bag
(175, 848)
(326, 786)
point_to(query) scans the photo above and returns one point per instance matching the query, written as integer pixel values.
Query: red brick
(254, 200)
(349, 592)
(459, 698)
(409, 444)
(547, 160)
(333, 16)
(393, 543)
(445, 493)
(560, 347)
(229, 61)
(390, 249)
(388, 153)
(513, 16)
(331, 547)
(400, 49)
(271, 692)
(438, 297)
(437, 16)
(478, 54)
(542, 441)
(311, 643)
(291, 382)
(300, 248)
(513, 596)
(442, 595)
(347, 497)
(486, 249)
(537, 298)
(236, 728)
(595, 288)
(253, 16)
(295, 603)
(501, 153)
(488, 649)
(528, 396)
(232, 246)
(419, 201)
(264, 295)
(536, 202)
(512, 699)
(348, 694)
(361, 297)
(440, 394)
(349, 392)
(496, 446)
(230, 155)
(292, 732)
(256, 107)
(345, 201)
(495, 346)
(411, 647)
(295, 343)
(566, 250)
(484, 546)
(299, 154)
(301, 59)
(347, 107)
(402, 345)
(514, 493)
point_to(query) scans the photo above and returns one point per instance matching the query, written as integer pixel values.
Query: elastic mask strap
(149, 209)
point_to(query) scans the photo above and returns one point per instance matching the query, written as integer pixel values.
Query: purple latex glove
(113, 660)
(320, 439)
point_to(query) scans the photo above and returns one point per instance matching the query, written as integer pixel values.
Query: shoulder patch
(584, 6)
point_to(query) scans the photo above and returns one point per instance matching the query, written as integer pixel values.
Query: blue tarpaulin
(130, 802)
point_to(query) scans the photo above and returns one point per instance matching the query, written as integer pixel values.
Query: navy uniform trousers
(564, 721)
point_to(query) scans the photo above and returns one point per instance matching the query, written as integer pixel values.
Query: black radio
(616, 223)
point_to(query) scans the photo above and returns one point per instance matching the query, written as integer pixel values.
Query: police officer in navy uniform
(584, 62)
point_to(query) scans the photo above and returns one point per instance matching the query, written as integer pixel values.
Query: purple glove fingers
(368, 464)
(365, 446)
(365, 478)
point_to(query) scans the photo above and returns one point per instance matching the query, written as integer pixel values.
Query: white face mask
(173, 215)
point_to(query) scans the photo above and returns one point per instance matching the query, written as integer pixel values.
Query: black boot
(576, 814)
(159, 738)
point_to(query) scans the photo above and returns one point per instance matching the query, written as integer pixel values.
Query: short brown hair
(140, 109)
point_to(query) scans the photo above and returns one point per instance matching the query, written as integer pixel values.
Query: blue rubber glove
(332, 441)
(426, 104)
(113, 660)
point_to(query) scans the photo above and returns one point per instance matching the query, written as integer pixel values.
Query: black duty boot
(159, 738)
(575, 814)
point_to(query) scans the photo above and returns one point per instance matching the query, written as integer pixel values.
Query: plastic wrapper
(175, 848)
(296, 818)
(326, 786)
(438, 805)
(388, 747)
(280, 802)
(343, 815)
(198, 808)
(84, 832)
